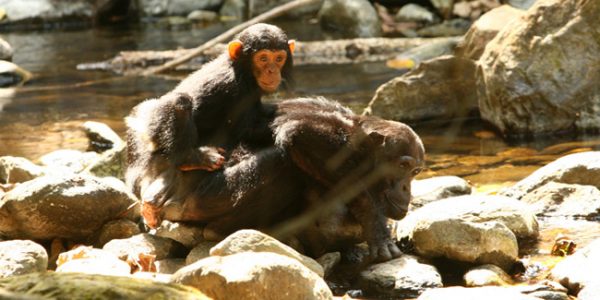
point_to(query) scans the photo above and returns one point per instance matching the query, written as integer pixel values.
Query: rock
(329, 261)
(441, 88)
(52, 285)
(412, 57)
(485, 29)
(476, 229)
(110, 163)
(66, 160)
(169, 265)
(486, 275)
(202, 250)
(154, 8)
(257, 7)
(565, 200)
(436, 188)
(530, 84)
(251, 275)
(403, 277)
(353, 18)
(116, 229)
(522, 4)
(589, 293)
(34, 13)
(18, 169)
(68, 206)
(203, 16)
(187, 235)
(415, 13)
(12, 75)
(579, 168)
(571, 273)
(6, 51)
(444, 7)
(249, 240)
(18, 257)
(88, 260)
(101, 136)
(488, 293)
(145, 243)
(234, 9)
(454, 27)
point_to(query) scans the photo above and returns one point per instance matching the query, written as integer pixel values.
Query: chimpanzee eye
(263, 58)
(279, 59)
(416, 171)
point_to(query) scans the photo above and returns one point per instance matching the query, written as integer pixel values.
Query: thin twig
(273, 13)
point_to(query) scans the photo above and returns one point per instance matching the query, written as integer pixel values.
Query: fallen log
(307, 53)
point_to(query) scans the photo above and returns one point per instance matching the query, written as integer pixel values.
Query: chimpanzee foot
(384, 250)
(209, 159)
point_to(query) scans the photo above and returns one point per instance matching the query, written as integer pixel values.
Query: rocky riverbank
(70, 213)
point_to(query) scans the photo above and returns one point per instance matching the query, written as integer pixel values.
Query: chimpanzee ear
(235, 49)
(376, 138)
(292, 45)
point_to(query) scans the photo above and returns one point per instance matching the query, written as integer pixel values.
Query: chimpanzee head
(265, 52)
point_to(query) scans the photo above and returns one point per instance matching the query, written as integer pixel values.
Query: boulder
(251, 275)
(53, 285)
(34, 12)
(529, 83)
(565, 200)
(580, 270)
(415, 13)
(116, 229)
(488, 293)
(579, 168)
(92, 261)
(403, 277)
(436, 188)
(18, 257)
(255, 241)
(486, 275)
(476, 229)
(101, 137)
(144, 243)
(187, 235)
(112, 162)
(69, 206)
(352, 18)
(440, 88)
(67, 160)
(202, 250)
(18, 169)
(485, 29)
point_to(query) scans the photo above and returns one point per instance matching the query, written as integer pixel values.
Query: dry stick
(273, 13)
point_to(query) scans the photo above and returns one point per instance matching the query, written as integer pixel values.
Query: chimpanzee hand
(383, 250)
(207, 159)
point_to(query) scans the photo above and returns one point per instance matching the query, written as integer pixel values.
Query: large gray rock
(353, 18)
(441, 88)
(580, 270)
(23, 12)
(145, 243)
(529, 83)
(403, 277)
(53, 285)
(69, 206)
(436, 188)
(22, 257)
(565, 200)
(248, 275)
(579, 168)
(488, 293)
(18, 169)
(256, 241)
(477, 229)
(485, 29)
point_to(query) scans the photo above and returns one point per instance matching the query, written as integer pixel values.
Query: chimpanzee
(321, 150)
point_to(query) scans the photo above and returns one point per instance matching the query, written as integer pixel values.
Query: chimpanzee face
(266, 68)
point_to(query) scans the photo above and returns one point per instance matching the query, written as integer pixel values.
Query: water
(47, 113)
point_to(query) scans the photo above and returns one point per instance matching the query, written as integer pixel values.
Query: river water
(46, 114)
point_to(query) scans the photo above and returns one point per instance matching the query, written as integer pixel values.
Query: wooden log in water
(307, 53)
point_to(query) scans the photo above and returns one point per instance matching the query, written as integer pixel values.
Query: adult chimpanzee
(323, 153)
